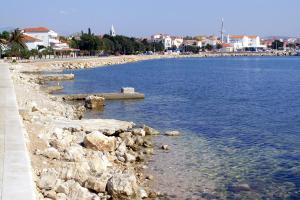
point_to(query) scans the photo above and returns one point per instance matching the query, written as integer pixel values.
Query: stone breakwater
(78, 63)
(76, 159)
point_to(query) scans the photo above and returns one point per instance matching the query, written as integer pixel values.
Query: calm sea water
(240, 119)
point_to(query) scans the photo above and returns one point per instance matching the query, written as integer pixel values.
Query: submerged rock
(165, 147)
(150, 131)
(172, 133)
(242, 187)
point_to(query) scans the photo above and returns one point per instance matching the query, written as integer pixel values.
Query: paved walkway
(16, 181)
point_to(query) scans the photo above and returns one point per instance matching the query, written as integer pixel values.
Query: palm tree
(16, 37)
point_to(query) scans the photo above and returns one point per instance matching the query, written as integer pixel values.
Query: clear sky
(143, 18)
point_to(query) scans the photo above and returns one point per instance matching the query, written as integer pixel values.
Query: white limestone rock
(123, 186)
(98, 141)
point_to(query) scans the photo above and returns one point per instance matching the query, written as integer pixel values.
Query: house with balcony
(42, 36)
(165, 39)
(244, 42)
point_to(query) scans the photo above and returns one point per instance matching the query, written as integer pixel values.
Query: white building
(211, 40)
(112, 31)
(167, 40)
(31, 42)
(196, 43)
(44, 37)
(176, 41)
(241, 42)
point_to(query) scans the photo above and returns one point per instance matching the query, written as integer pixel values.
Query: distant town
(39, 42)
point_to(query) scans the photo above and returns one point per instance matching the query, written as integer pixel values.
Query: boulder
(147, 144)
(98, 163)
(124, 135)
(98, 141)
(48, 179)
(51, 153)
(139, 132)
(63, 143)
(74, 153)
(172, 133)
(143, 193)
(58, 133)
(61, 196)
(94, 102)
(34, 107)
(62, 188)
(121, 150)
(139, 140)
(77, 192)
(50, 194)
(77, 171)
(122, 186)
(150, 131)
(97, 184)
(127, 138)
(129, 157)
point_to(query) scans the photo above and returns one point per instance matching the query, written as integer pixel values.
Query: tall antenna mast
(222, 31)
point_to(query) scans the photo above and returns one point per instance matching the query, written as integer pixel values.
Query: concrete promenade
(16, 182)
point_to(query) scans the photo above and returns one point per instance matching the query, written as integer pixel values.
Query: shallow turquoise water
(240, 118)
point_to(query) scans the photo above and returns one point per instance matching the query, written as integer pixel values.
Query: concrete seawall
(16, 181)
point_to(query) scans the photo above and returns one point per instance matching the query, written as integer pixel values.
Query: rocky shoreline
(78, 63)
(84, 159)
(81, 159)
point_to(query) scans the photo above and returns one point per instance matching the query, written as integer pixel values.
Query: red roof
(242, 36)
(237, 36)
(36, 29)
(252, 36)
(27, 38)
(227, 45)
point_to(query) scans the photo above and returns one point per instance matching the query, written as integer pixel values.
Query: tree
(47, 51)
(34, 52)
(277, 44)
(291, 45)
(16, 37)
(89, 43)
(159, 46)
(191, 48)
(208, 47)
(4, 35)
(17, 47)
(219, 46)
(74, 43)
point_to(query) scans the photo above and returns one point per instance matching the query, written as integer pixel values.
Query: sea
(239, 119)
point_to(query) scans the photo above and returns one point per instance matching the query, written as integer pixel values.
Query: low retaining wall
(16, 182)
